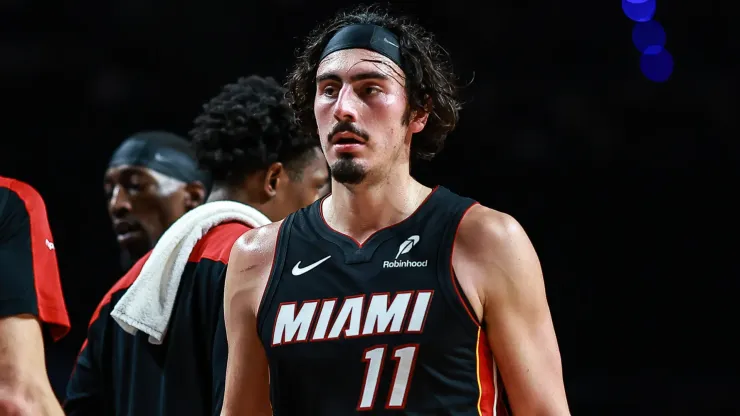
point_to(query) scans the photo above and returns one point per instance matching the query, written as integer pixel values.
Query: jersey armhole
(454, 293)
(51, 310)
(273, 280)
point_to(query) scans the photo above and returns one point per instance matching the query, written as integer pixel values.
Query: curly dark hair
(247, 127)
(430, 82)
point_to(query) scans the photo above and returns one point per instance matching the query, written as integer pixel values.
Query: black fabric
(377, 327)
(29, 276)
(118, 374)
(364, 36)
(163, 152)
(17, 290)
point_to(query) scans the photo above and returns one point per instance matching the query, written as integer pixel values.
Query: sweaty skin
(493, 259)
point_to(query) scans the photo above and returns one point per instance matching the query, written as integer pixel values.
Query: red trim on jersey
(123, 283)
(360, 244)
(486, 386)
(49, 297)
(460, 295)
(217, 243)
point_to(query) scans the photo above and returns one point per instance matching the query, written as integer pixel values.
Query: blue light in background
(657, 66)
(639, 10)
(648, 36)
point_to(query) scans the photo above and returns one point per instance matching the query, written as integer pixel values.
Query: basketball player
(386, 297)
(247, 138)
(31, 303)
(151, 181)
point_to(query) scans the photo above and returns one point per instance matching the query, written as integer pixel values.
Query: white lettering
(327, 307)
(380, 314)
(419, 313)
(349, 318)
(291, 327)
(384, 313)
(404, 263)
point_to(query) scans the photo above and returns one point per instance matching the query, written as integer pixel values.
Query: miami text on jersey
(358, 316)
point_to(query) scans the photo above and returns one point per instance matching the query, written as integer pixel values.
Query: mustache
(348, 127)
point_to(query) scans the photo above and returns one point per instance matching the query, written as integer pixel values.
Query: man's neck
(220, 194)
(360, 210)
(228, 193)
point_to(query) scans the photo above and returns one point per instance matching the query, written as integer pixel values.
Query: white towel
(147, 304)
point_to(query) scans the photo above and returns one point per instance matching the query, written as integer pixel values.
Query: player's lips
(126, 230)
(347, 142)
(346, 138)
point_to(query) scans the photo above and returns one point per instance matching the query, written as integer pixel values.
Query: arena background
(626, 186)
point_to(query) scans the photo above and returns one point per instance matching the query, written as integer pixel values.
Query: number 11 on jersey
(405, 358)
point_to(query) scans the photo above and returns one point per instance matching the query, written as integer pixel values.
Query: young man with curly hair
(387, 297)
(264, 160)
(247, 139)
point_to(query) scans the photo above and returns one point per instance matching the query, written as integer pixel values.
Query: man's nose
(345, 108)
(119, 204)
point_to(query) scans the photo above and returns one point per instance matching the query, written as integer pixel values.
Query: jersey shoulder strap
(447, 208)
(447, 218)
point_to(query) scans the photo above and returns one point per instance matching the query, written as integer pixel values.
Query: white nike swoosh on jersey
(298, 270)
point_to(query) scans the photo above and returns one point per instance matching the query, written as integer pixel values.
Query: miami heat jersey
(375, 328)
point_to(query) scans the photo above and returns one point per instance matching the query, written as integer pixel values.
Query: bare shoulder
(493, 256)
(249, 267)
(489, 232)
(252, 247)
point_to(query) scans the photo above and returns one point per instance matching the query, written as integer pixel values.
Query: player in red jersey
(31, 303)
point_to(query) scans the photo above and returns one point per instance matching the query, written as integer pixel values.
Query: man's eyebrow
(330, 76)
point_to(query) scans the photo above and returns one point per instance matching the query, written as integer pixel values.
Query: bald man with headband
(152, 180)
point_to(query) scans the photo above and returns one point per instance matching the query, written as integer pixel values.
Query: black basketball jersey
(375, 328)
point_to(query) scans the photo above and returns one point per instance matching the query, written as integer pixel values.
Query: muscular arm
(24, 385)
(507, 280)
(247, 378)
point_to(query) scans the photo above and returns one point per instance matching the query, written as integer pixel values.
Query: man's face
(142, 204)
(360, 107)
(308, 186)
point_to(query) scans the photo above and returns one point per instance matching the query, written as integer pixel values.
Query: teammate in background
(385, 296)
(151, 181)
(31, 302)
(247, 139)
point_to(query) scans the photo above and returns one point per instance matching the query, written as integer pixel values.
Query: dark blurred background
(626, 186)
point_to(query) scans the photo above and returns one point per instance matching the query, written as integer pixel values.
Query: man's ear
(420, 117)
(195, 195)
(273, 179)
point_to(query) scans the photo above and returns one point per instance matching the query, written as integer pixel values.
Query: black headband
(365, 36)
(165, 160)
